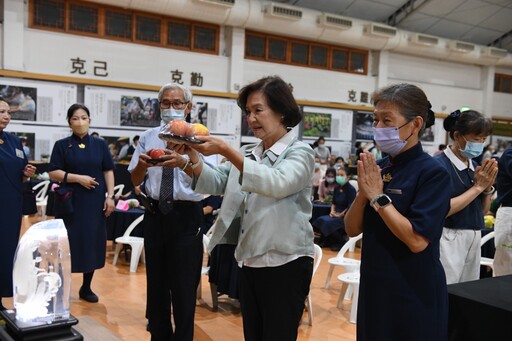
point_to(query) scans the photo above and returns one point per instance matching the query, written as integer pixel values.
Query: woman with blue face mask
(470, 190)
(400, 210)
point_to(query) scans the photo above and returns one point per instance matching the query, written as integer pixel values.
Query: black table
(320, 209)
(481, 310)
(119, 220)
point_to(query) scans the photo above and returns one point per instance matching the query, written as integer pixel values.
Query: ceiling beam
(498, 42)
(403, 12)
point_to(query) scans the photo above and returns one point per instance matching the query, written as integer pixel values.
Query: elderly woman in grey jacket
(266, 209)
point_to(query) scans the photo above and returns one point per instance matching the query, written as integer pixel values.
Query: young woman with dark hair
(470, 191)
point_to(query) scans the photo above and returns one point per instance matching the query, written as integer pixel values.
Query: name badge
(19, 153)
(393, 191)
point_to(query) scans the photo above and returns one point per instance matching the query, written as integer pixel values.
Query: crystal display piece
(42, 283)
(42, 273)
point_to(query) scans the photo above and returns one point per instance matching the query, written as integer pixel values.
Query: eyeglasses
(175, 105)
(479, 139)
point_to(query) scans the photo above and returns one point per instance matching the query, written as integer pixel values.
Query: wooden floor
(123, 295)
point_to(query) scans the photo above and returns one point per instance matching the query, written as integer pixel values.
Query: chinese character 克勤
(352, 95)
(364, 97)
(176, 76)
(196, 79)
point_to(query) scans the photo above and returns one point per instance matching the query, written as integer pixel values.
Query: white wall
(312, 84)
(448, 85)
(502, 105)
(51, 53)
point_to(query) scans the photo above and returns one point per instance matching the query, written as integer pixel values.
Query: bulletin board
(38, 101)
(335, 124)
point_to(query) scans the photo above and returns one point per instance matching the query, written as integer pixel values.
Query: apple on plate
(197, 129)
(157, 153)
(178, 127)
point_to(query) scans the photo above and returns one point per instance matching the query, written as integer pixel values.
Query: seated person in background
(210, 205)
(132, 147)
(326, 188)
(440, 149)
(332, 226)
(375, 150)
(321, 151)
(332, 160)
(123, 150)
(339, 163)
(317, 178)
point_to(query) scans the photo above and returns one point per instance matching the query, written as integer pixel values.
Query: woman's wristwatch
(380, 201)
(490, 192)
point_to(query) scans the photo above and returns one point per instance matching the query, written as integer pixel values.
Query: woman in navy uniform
(14, 169)
(332, 227)
(400, 209)
(85, 164)
(470, 189)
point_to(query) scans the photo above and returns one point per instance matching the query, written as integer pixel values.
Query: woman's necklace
(457, 173)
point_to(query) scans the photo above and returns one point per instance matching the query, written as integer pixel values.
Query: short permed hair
(279, 98)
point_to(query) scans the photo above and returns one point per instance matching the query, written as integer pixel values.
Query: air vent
(380, 30)
(285, 12)
(334, 21)
(494, 52)
(225, 3)
(423, 39)
(460, 46)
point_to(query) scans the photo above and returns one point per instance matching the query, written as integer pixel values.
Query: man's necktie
(166, 190)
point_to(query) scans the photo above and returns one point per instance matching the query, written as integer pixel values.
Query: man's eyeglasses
(175, 105)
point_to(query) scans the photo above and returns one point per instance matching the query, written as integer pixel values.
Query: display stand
(14, 330)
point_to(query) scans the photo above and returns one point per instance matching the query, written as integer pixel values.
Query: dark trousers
(174, 254)
(272, 299)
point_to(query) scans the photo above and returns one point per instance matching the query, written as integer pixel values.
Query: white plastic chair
(136, 243)
(118, 190)
(354, 184)
(350, 264)
(42, 197)
(318, 259)
(350, 282)
(486, 261)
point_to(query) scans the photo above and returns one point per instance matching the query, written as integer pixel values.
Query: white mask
(170, 114)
